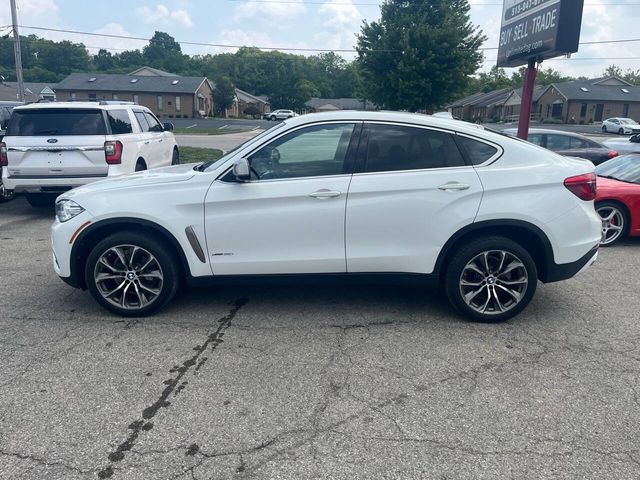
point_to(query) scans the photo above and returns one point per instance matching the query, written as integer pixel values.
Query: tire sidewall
(175, 157)
(464, 254)
(158, 249)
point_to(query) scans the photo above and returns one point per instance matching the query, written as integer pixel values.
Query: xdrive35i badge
(52, 140)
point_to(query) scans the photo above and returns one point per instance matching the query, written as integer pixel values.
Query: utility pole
(16, 50)
(527, 97)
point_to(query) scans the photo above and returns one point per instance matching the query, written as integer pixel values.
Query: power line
(294, 49)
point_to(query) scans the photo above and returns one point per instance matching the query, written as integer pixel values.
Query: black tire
(175, 158)
(41, 200)
(166, 264)
(621, 131)
(456, 279)
(5, 195)
(604, 209)
(140, 165)
(604, 128)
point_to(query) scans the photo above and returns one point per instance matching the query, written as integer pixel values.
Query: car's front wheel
(604, 129)
(132, 274)
(175, 158)
(621, 131)
(490, 279)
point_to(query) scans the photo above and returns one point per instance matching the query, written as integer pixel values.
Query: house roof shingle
(593, 89)
(123, 83)
(339, 103)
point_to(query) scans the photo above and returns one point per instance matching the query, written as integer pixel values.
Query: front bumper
(63, 236)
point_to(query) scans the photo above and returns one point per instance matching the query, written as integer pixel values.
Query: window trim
(349, 161)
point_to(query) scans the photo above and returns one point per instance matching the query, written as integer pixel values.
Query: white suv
(280, 114)
(52, 147)
(334, 195)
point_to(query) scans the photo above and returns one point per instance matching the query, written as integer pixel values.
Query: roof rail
(116, 102)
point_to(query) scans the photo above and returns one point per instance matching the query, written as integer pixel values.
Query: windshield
(624, 169)
(255, 139)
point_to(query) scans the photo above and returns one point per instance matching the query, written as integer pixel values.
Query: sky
(325, 24)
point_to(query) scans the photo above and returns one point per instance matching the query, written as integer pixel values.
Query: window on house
(625, 110)
(159, 102)
(92, 96)
(178, 105)
(73, 96)
(583, 110)
(115, 96)
(135, 99)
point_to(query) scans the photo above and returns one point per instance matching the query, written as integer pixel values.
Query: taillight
(612, 154)
(582, 186)
(4, 159)
(113, 152)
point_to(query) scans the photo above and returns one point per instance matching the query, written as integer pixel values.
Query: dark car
(569, 144)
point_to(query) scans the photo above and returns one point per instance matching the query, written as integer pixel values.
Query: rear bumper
(557, 272)
(35, 184)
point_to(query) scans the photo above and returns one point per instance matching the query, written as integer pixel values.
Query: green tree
(420, 54)
(104, 60)
(223, 94)
(612, 71)
(165, 53)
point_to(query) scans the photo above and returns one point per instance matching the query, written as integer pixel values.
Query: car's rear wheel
(41, 200)
(132, 274)
(175, 159)
(5, 195)
(614, 222)
(490, 279)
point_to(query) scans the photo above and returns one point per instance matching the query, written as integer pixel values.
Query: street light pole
(527, 97)
(16, 50)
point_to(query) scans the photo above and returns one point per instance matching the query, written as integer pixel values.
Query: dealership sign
(538, 29)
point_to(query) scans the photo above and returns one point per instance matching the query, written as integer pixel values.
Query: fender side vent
(195, 244)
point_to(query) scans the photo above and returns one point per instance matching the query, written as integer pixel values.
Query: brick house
(165, 94)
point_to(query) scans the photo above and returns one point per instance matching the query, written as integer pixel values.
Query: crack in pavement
(43, 462)
(143, 424)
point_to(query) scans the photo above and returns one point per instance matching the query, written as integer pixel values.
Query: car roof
(387, 116)
(82, 105)
(547, 131)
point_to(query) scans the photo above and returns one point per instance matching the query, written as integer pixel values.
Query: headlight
(67, 209)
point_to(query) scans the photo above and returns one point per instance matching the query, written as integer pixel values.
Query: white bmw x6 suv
(52, 147)
(336, 195)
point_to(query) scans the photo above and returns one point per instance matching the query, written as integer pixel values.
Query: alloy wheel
(612, 223)
(493, 282)
(128, 277)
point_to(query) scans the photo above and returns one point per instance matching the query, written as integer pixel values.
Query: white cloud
(339, 22)
(248, 38)
(29, 10)
(161, 15)
(268, 10)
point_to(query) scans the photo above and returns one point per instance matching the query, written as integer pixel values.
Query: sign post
(532, 31)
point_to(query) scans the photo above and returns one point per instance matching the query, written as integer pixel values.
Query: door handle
(147, 142)
(324, 194)
(454, 186)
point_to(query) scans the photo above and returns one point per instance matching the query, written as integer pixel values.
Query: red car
(618, 197)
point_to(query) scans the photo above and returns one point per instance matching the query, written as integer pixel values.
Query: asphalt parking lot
(314, 382)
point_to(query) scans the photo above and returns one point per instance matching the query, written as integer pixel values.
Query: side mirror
(168, 127)
(241, 170)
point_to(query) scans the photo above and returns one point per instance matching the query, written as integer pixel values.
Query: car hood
(178, 173)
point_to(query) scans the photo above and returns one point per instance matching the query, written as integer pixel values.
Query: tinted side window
(579, 143)
(536, 139)
(479, 152)
(142, 121)
(394, 147)
(154, 124)
(119, 121)
(57, 122)
(309, 152)
(558, 142)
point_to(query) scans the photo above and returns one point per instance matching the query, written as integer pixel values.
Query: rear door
(162, 149)
(57, 142)
(412, 191)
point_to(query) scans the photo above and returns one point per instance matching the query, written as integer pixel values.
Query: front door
(290, 217)
(413, 192)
